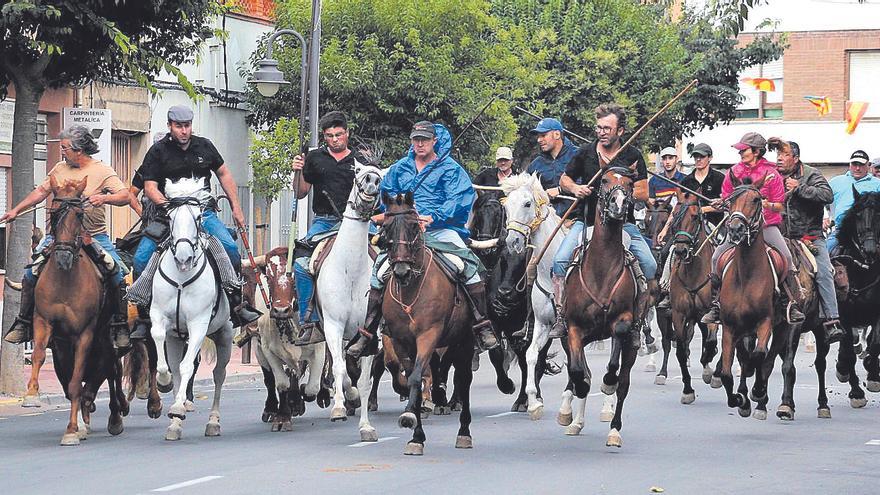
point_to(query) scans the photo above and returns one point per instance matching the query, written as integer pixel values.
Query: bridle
(527, 229)
(365, 203)
(195, 244)
(483, 236)
(754, 223)
(605, 195)
(66, 205)
(687, 237)
(413, 246)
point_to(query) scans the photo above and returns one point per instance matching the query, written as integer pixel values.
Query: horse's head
(487, 224)
(656, 218)
(861, 225)
(508, 280)
(686, 223)
(746, 211)
(365, 194)
(282, 293)
(187, 199)
(615, 194)
(526, 206)
(403, 236)
(66, 229)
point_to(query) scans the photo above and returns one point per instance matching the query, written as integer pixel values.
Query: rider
(589, 160)
(556, 153)
(503, 169)
(182, 154)
(103, 187)
(663, 187)
(753, 165)
(875, 167)
(443, 195)
(857, 177)
(807, 193)
(330, 169)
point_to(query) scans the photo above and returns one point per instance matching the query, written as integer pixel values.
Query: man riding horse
(182, 154)
(443, 198)
(103, 187)
(758, 169)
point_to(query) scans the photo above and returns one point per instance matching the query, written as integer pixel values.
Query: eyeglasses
(604, 130)
(338, 135)
(857, 164)
(67, 148)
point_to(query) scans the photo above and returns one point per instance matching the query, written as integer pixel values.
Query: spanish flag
(760, 83)
(855, 110)
(822, 104)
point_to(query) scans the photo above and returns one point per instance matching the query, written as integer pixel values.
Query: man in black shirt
(330, 170)
(587, 162)
(492, 176)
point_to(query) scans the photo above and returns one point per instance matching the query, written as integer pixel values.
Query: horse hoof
(785, 413)
(519, 407)
(70, 439)
(267, 417)
(31, 401)
(442, 411)
(823, 413)
(463, 442)
(286, 425)
(407, 420)
(760, 414)
(174, 431)
(606, 416)
(744, 412)
(537, 412)
(427, 409)
(715, 382)
(614, 439)
(353, 403)
(650, 368)
(372, 406)
(212, 429)
(456, 406)
(564, 419)
(506, 386)
(858, 403)
(755, 398)
(872, 386)
(115, 428)
(338, 414)
(841, 377)
(369, 434)
(608, 389)
(574, 429)
(651, 348)
(276, 426)
(412, 448)
(707, 375)
(154, 412)
(188, 406)
(688, 398)
(659, 380)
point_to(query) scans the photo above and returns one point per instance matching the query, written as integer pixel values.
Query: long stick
(532, 269)
(679, 186)
(536, 116)
(32, 208)
(247, 249)
(711, 235)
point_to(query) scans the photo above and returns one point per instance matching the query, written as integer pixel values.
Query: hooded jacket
(805, 204)
(773, 189)
(442, 189)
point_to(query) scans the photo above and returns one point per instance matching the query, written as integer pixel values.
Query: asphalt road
(700, 448)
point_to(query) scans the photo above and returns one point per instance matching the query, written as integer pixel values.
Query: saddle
(322, 250)
(104, 263)
(777, 261)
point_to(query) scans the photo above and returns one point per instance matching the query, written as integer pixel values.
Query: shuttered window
(864, 80)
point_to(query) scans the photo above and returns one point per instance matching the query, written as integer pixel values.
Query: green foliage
(271, 156)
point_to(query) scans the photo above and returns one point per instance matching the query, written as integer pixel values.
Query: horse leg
(270, 407)
(154, 401)
(190, 396)
(412, 416)
(540, 337)
(846, 370)
(376, 371)
(521, 402)
(504, 383)
(709, 349)
(664, 322)
(785, 411)
(822, 348)
(42, 331)
(627, 360)
(541, 367)
(726, 362)
(223, 342)
(764, 370)
(440, 378)
(158, 330)
(175, 348)
(333, 331)
(684, 333)
(117, 396)
(313, 387)
(620, 340)
(744, 357)
(565, 415)
(81, 346)
(367, 431)
(871, 361)
(464, 376)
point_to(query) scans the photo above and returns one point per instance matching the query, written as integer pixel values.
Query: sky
(813, 15)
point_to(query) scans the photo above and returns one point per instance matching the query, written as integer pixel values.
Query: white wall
(812, 15)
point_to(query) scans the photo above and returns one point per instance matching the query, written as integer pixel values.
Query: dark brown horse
(603, 299)
(75, 321)
(423, 312)
(690, 292)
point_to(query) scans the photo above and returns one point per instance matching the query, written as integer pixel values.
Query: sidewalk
(52, 394)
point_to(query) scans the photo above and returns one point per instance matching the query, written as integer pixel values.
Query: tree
(56, 43)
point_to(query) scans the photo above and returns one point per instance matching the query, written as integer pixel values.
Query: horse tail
(209, 351)
(135, 369)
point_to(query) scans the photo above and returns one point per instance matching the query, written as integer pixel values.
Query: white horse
(341, 292)
(185, 296)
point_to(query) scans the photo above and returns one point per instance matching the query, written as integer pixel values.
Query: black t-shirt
(487, 177)
(710, 187)
(166, 160)
(585, 165)
(328, 176)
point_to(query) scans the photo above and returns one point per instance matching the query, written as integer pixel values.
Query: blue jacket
(843, 197)
(445, 192)
(551, 169)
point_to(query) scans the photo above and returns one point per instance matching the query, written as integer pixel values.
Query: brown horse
(423, 312)
(690, 292)
(603, 299)
(75, 321)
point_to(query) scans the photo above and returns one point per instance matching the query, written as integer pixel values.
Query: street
(700, 448)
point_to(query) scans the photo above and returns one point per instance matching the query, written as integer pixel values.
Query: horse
(74, 321)
(690, 292)
(342, 283)
(487, 227)
(615, 310)
(185, 275)
(424, 311)
(860, 256)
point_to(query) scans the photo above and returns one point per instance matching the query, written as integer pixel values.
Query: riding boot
(483, 330)
(791, 288)
(366, 341)
(559, 330)
(714, 314)
(833, 332)
(241, 313)
(23, 326)
(119, 329)
(142, 324)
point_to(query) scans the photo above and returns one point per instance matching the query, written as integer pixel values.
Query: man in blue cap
(556, 152)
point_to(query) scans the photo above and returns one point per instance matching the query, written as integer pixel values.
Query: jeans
(212, 226)
(637, 246)
(772, 237)
(825, 281)
(103, 240)
(831, 242)
(305, 283)
(562, 258)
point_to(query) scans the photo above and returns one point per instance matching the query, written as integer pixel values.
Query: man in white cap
(502, 170)
(664, 188)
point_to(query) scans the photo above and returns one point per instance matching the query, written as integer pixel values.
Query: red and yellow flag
(760, 83)
(821, 103)
(855, 110)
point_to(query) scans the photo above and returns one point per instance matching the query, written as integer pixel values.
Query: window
(761, 104)
(864, 72)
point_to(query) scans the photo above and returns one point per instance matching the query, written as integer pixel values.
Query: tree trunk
(28, 92)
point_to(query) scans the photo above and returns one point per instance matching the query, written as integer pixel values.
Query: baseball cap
(668, 151)
(423, 129)
(701, 149)
(504, 153)
(795, 148)
(750, 140)
(858, 156)
(875, 162)
(546, 125)
(180, 113)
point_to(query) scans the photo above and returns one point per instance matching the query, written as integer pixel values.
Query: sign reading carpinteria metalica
(98, 120)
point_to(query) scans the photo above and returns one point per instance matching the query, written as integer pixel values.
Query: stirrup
(19, 332)
(559, 330)
(362, 344)
(833, 332)
(793, 314)
(713, 316)
(485, 335)
(309, 333)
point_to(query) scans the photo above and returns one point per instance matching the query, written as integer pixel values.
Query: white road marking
(872, 442)
(508, 413)
(595, 394)
(386, 381)
(184, 484)
(364, 444)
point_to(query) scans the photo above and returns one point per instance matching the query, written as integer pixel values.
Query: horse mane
(184, 187)
(847, 229)
(526, 180)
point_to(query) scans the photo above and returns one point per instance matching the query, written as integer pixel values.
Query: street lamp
(268, 79)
